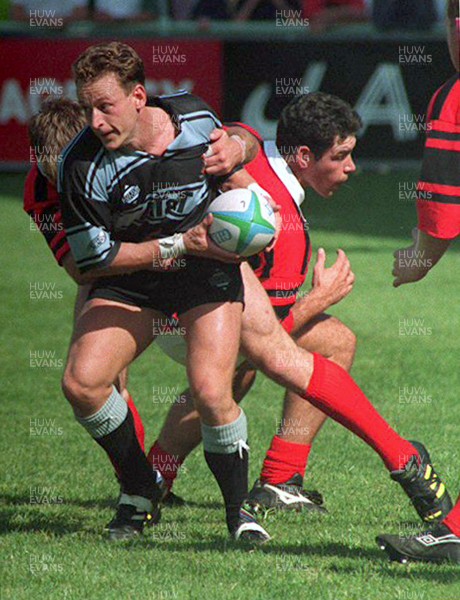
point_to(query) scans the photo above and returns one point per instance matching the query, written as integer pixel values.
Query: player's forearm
(84, 279)
(308, 308)
(430, 249)
(251, 143)
(133, 257)
(152, 255)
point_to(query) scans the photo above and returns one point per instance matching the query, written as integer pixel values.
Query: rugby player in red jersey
(328, 126)
(438, 208)
(319, 154)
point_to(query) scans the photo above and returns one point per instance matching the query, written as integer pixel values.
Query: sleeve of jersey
(86, 217)
(438, 198)
(46, 213)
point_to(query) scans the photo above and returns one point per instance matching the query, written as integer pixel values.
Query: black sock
(231, 473)
(135, 472)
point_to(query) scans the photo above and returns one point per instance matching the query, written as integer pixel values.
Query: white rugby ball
(244, 222)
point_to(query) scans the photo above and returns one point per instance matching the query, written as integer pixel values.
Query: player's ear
(303, 156)
(139, 95)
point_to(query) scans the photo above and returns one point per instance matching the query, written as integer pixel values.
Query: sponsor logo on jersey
(98, 241)
(131, 194)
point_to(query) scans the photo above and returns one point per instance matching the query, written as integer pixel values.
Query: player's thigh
(213, 338)
(266, 344)
(108, 336)
(326, 335)
(260, 325)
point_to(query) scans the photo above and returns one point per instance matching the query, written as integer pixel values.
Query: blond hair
(51, 129)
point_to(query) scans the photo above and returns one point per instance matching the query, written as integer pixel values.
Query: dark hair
(51, 129)
(114, 57)
(315, 120)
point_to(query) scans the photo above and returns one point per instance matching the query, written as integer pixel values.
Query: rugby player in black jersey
(114, 202)
(134, 176)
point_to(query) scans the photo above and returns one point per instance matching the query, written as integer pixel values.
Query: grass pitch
(58, 490)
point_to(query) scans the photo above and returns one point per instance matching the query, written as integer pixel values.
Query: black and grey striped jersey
(110, 197)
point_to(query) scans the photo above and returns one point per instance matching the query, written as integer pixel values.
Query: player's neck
(154, 131)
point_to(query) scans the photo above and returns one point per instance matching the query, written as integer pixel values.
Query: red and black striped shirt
(41, 202)
(438, 199)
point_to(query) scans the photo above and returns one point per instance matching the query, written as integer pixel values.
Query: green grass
(55, 550)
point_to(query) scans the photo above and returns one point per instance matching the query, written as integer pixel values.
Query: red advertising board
(31, 68)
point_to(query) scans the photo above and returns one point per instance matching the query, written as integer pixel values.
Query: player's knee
(344, 353)
(212, 399)
(80, 390)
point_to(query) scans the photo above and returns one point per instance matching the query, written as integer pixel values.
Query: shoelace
(431, 479)
(240, 446)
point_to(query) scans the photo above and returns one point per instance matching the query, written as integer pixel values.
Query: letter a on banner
(384, 100)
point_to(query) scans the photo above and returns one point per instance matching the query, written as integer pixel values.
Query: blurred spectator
(262, 10)
(323, 14)
(404, 14)
(109, 10)
(24, 10)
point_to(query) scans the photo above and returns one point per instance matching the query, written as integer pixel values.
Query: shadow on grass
(288, 557)
(285, 556)
(35, 522)
(35, 517)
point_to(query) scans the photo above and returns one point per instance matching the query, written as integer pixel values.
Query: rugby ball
(244, 222)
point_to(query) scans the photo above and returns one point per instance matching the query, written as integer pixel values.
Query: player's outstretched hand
(198, 243)
(223, 155)
(333, 283)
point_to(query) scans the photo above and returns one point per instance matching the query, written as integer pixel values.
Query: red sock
(138, 425)
(452, 521)
(333, 391)
(283, 460)
(167, 464)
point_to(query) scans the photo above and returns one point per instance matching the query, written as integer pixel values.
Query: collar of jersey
(282, 169)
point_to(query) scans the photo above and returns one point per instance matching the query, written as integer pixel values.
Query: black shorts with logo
(199, 281)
